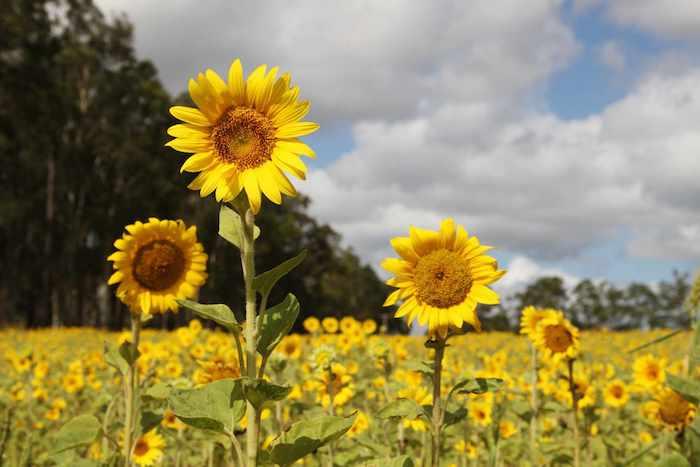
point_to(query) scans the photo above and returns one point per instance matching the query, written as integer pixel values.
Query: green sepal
(275, 323)
(219, 313)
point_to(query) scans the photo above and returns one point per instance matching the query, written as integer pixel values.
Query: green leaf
(129, 352)
(276, 322)
(159, 391)
(80, 431)
(694, 354)
(264, 282)
(402, 408)
(114, 358)
(306, 436)
(421, 366)
(231, 226)
(220, 313)
(689, 389)
(149, 420)
(259, 391)
(400, 461)
(630, 461)
(216, 406)
(477, 386)
(455, 416)
(673, 460)
(655, 341)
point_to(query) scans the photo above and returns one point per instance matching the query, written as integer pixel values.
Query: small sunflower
(441, 277)
(649, 371)
(158, 262)
(672, 410)
(243, 135)
(530, 317)
(556, 337)
(148, 449)
(507, 429)
(616, 394)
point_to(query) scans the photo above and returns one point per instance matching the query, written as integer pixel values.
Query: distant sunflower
(530, 317)
(556, 337)
(671, 409)
(243, 135)
(441, 277)
(616, 393)
(649, 371)
(148, 449)
(158, 262)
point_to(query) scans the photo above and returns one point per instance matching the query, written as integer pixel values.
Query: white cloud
(674, 19)
(362, 59)
(612, 55)
(523, 271)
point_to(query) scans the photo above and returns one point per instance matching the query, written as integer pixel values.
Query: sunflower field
(48, 384)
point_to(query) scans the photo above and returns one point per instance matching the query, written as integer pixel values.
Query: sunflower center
(673, 409)
(243, 137)
(617, 392)
(141, 447)
(652, 373)
(158, 265)
(443, 279)
(558, 338)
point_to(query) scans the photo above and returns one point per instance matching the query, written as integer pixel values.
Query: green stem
(248, 263)
(574, 410)
(130, 389)
(437, 406)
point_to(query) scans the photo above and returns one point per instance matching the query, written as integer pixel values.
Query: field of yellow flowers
(48, 377)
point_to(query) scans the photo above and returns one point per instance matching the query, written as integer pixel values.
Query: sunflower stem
(437, 405)
(574, 410)
(130, 388)
(248, 263)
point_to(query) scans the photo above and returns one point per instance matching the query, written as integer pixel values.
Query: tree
(545, 292)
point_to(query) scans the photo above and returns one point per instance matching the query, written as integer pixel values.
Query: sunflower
(312, 324)
(244, 134)
(148, 449)
(330, 325)
(158, 262)
(507, 429)
(556, 337)
(530, 317)
(441, 277)
(616, 394)
(649, 371)
(671, 409)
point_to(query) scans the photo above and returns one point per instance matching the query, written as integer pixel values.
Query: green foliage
(401, 408)
(216, 406)
(149, 420)
(221, 314)
(80, 431)
(673, 460)
(689, 389)
(263, 283)
(307, 436)
(114, 358)
(231, 226)
(258, 392)
(275, 323)
(477, 386)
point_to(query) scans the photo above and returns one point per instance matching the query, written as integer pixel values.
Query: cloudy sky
(565, 133)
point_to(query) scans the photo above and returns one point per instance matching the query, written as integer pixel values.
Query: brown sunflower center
(673, 409)
(558, 338)
(617, 392)
(443, 279)
(243, 137)
(652, 372)
(158, 265)
(141, 447)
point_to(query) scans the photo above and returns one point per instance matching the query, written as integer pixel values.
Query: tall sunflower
(243, 135)
(158, 262)
(441, 277)
(556, 337)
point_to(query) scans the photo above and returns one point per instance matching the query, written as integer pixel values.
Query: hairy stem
(437, 406)
(574, 410)
(130, 388)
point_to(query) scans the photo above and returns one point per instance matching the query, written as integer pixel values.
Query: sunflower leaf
(689, 389)
(275, 323)
(258, 391)
(215, 406)
(477, 386)
(114, 358)
(401, 408)
(149, 420)
(231, 226)
(79, 431)
(264, 282)
(307, 436)
(219, 313)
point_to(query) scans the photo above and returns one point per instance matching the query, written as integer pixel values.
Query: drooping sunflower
(556, 337)
(441, 277)
(158, 262)
(148, 449)
(243, 135)
(671, 409)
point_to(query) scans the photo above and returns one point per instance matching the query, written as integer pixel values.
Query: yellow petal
(188, 131)
(291, 114)
(295, 147)
(252, 189)
(190, 145)
(116, 277)
(236, 83)
(283, 183)
(268, 185)
(403, 247)
(198, 162)
(190, 115)
(296, 129)
(289, 162)
(483, 294)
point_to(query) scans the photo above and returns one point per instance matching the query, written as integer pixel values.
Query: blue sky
(563, 133)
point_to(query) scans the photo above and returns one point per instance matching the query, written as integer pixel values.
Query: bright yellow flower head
(156, 263)
(441, 277)
(531, 317)
(507, 429)
(556, 337)
(148, 449)
(312, 324)
(244, 134)
(330, 325)
(649, 371)
(369, 326)
(616, 394)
